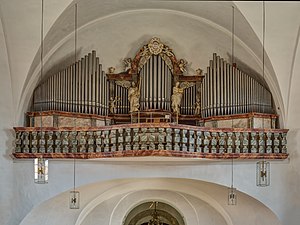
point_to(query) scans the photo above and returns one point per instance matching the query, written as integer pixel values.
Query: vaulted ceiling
(117, 29)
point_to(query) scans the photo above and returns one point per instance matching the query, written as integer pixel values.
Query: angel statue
(133, 94)
(127, 63)
(112, 104)
(182, 65)
(197, 107)
(177, 95)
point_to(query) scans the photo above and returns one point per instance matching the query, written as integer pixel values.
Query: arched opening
(154, 213)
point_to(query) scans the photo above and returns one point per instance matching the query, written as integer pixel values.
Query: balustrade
(150, 137)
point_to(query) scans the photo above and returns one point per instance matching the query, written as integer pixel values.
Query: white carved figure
(177, 95)
(199, 72)
(111, 70)
(133, 94)
(127, 62)
(197, 107)
(112, 104)
(182, 65)
(134, 97)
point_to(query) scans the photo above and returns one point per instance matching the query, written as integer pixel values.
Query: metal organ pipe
(227, 90)
(156, 82)
(81, 87)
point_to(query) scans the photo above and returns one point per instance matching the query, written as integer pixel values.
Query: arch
(93, 195)
(144, 211)
(154, 186)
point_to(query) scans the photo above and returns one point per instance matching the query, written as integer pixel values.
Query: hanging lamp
(74, 195)
(263, 167)
(232, 196)
(41, 164)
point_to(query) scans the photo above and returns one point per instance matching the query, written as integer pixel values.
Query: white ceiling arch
(123, 194)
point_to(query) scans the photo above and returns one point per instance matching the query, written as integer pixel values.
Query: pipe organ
(227, 90)
(81, 87)
(153, 105)
(149, 85)
(156, 83)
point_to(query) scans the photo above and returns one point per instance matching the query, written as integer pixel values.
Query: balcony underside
(155, 153)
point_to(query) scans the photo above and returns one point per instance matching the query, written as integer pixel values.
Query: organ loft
(153, 107)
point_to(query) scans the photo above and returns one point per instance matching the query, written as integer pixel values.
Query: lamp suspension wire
(75, 58)
(232, 37)
(74, 195)
(264, 30)
(232, 62)
(263, 62)
(263, 56)
(41, 57)
(75, 42)
(74, 171)
(40, 164)
(263, 167)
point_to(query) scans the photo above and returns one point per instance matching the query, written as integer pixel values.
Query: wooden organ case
(155, 87)
(152, 108)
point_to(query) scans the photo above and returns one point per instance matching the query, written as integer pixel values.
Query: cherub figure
(182, 65)
(127, 63)
(112, 104)
(199, 72)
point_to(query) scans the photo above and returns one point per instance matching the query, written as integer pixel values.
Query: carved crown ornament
(155, 47)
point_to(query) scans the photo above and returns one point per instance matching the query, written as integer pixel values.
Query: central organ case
(156, 87)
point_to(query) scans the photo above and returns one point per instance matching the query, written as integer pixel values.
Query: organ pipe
(227, 90)
(81, 87)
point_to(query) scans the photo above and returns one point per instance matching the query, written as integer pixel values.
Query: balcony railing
(150, 139)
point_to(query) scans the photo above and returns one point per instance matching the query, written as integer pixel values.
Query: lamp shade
(262, 174)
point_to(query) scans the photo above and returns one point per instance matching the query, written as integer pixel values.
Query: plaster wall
(22, 22)
(6, 134)
(278, 31)
(291, 176)
(118, 197)
(195, 211)
(88, 172)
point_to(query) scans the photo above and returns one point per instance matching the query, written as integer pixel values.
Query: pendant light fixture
(74, 195)
(155, 220)
(232, 197)
(41, 164)
(263, 167)
(40, 170)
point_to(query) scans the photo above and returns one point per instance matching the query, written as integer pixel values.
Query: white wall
(6, 135)
(109, 203)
